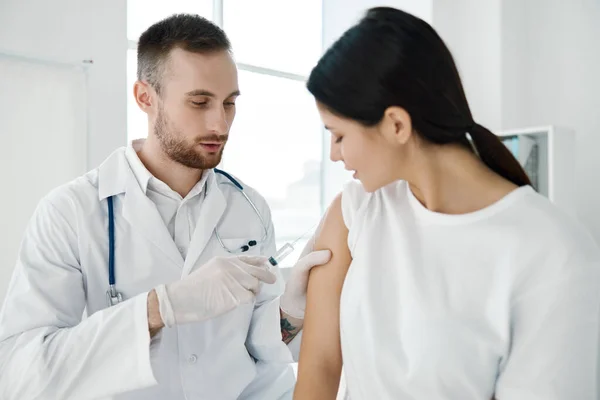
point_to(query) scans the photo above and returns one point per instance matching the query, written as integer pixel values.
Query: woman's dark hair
(392, 58)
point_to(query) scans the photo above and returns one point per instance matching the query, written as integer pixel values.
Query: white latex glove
(293, 300)
(219, 286)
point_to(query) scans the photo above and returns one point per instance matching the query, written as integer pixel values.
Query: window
(275, 146)
(274, 34)
(276, 141)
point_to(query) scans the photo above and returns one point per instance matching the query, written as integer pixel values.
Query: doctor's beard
(180, 150)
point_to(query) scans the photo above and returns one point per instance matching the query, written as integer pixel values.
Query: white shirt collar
(142, 175)
(147, 181)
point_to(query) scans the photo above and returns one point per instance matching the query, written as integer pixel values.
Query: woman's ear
(396, 125)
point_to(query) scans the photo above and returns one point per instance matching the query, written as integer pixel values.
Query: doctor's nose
(217, 121)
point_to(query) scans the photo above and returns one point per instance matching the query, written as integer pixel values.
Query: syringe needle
(312, 228)
(287, 248)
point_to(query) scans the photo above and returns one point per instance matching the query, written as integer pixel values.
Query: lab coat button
(192, 359)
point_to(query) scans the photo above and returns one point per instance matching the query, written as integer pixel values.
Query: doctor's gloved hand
(293, 300)
(219, 286)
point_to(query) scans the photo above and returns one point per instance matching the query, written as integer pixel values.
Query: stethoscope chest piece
(113, 297)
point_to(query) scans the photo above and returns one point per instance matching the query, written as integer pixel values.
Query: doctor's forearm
(155, 322)
(290, 327)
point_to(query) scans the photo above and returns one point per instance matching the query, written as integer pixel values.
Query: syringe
(287, 249)
(282, 253)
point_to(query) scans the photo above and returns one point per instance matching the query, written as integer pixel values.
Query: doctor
(160, 251)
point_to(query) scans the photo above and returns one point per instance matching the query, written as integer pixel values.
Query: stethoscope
(114, 297)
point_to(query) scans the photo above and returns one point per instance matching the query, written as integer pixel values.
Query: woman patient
(451, 278)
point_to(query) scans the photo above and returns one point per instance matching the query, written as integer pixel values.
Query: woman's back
(438, 306)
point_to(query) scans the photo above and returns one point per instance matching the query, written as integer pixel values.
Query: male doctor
(195, 320)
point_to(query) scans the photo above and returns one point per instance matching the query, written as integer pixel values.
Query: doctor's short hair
(189, 32)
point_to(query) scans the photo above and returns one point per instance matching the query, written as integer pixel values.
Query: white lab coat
(48, 352)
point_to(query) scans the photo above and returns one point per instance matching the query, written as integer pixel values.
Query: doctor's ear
(143, 94)
(396, 125)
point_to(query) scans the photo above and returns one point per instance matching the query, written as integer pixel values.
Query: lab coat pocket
(236, 245)
(264, 334)
(241, 369)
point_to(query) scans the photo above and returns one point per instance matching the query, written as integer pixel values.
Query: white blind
(43, 142)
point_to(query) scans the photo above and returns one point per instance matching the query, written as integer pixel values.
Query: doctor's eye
(199, 103)
(338, 139)
(229, 104)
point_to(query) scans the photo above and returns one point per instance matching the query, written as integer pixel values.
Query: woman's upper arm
(320, 354)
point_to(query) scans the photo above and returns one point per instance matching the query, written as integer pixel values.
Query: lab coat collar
(113, 173)
(141, 213)
(144, 217)
(141, 173)
(213, 208)
(147, 181)
(115, 176)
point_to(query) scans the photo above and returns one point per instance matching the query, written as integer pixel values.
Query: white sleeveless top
(504, 300)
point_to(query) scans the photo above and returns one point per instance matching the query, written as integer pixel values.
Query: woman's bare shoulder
(333, 236)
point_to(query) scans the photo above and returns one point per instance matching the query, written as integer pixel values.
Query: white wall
(48, 149)
(72, 31)
(552, 64)
(339, 15)
(516, 69)
(472, 31)
(67, 31)
(532, 63)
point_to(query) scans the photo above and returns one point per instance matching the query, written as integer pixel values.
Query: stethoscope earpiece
(246, 247)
